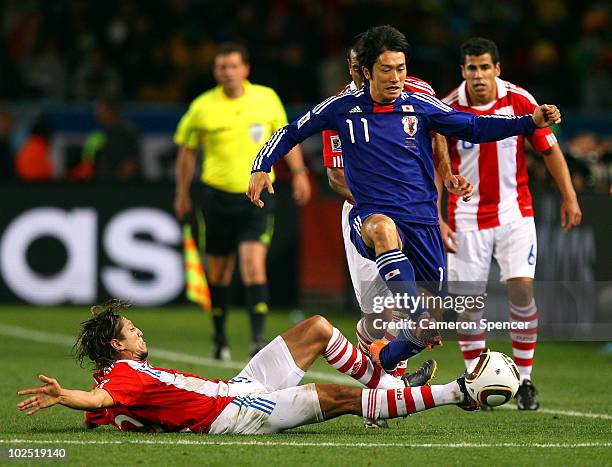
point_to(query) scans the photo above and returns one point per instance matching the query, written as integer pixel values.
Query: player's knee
(381, 230)
(321, 328)
(520, 291)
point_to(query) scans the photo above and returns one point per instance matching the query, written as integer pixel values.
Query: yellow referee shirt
(231, 131)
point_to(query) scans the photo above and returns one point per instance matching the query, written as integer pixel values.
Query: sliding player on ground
(264, 397)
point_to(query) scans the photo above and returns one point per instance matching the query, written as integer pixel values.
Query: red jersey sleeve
(543, 138)
(332, 149)
(414, 84)
(123, 384)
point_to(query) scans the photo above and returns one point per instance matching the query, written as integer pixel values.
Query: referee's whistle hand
(258, 181)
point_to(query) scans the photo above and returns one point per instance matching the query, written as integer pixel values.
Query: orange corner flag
(196, 284)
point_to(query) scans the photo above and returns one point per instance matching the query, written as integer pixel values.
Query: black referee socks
(219, 297)
(257, 304)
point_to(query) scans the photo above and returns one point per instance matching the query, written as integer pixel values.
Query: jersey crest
(410, 123)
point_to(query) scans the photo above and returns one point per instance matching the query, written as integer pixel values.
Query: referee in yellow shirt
(232, 122)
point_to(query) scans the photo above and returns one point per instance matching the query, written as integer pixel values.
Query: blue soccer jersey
(387, 151)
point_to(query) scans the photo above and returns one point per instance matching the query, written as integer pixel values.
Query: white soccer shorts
(267, 396)
(269, 412)
(366, 280)
(514, 246)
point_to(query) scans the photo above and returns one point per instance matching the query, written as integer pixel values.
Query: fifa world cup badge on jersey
(410, 123)
(256, 130)
(336, 144)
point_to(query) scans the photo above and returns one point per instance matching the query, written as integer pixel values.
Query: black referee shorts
(227, 219)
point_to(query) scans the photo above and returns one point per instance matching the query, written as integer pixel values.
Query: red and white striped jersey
(332, 147)
(496, 169)
(165, 399)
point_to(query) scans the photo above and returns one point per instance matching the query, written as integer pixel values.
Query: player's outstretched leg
(386, 403)
(313, 403)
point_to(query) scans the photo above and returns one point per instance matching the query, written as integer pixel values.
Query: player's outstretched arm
(546, 115)
(51, 393)
(484, 128)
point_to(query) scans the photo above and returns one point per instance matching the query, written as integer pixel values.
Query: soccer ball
(492, 379)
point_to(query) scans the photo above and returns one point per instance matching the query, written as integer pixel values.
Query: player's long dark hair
(377, 40)
(94, 341)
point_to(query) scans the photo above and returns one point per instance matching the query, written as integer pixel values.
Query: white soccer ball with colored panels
(492, 379)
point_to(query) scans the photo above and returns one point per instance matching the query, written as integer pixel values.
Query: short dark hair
(379, 39)
(477, 46)
(355, 45)
(233, 47)
(94, 340)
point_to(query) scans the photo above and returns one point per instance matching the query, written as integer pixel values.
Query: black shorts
(227, 219)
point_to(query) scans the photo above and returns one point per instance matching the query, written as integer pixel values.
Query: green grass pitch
(571, 378)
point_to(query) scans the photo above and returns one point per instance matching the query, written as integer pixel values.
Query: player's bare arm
(185, 166)
(449, 238)
(337, 182)
(571, 215)
(51, 393)
(257, 182)
(456, 184)
(299, 172)
(546, 115)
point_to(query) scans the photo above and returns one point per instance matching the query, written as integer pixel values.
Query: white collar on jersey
(502, 91)
(352, 86)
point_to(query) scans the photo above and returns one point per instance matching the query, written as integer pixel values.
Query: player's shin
(397, 272)
(348, 359)
(472, 339)
(524, 338)
(392, 403)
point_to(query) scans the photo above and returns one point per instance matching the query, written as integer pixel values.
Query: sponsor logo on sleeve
(303, 120)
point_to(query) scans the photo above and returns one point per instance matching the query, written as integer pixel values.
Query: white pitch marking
(567, 413)
(188, 442)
